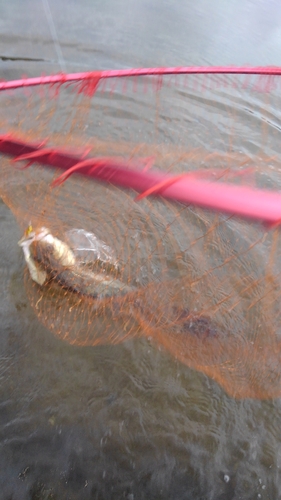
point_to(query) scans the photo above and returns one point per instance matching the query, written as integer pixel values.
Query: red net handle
(255, 204)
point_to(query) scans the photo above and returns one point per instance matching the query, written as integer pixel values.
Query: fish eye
(28, 230)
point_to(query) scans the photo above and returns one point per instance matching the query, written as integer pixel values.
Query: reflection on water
(163, 33)
(129, 420)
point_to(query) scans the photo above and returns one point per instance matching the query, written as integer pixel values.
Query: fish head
(30, 235)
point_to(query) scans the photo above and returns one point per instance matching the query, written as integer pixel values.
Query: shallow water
(130, 421)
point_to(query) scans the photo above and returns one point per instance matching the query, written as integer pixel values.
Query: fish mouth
(26, 240)
(30, 235)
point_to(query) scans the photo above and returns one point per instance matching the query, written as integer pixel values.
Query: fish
(49, 258)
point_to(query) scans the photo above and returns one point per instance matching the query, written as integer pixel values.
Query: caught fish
(75, 269)
(49, 258)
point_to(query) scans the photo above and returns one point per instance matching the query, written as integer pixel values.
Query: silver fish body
(49, 257)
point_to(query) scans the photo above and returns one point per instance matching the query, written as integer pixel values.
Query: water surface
(130, 421)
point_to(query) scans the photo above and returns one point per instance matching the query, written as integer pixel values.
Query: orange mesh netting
(204, 285)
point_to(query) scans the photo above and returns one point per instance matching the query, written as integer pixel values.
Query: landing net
(203, 284)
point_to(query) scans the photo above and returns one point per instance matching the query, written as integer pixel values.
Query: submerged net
(204, 285)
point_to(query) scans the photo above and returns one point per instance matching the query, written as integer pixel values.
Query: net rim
(96, 75)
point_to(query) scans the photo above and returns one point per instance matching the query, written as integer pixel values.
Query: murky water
(130, 421)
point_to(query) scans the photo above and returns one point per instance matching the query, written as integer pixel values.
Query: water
(127, 421)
